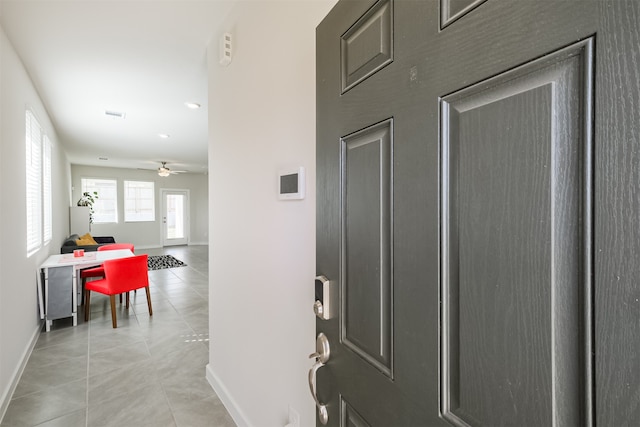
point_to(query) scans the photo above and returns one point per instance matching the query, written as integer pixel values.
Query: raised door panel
(366, 245)
(351, 418)
(450, 10)
(368, 45)
(516, 242)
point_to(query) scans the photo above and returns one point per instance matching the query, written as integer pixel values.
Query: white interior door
(175, 217)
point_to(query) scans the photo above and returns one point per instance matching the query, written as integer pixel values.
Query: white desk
(58, 293)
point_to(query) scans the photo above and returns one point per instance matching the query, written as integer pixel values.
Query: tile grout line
(164, 391)
(162, 385)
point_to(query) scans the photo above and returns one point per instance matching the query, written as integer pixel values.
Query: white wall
(147, 234)
(262, 251)
(19, 319)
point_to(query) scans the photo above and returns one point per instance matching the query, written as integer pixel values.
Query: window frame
(137, 200)
(101, 200)
(38, 185)
(47, 190)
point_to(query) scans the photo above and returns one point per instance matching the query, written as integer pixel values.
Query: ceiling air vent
(114, 114)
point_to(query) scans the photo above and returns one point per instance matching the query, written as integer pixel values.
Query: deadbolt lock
(325, 304)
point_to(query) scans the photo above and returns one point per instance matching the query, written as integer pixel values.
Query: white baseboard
(160, 246)
(5, 399)
(227, 400)
(148, 247)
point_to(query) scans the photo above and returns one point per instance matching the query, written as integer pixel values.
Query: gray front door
(478, 193)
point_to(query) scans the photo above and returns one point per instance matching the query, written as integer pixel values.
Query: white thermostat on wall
(291, 184)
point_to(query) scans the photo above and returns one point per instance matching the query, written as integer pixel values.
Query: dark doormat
(158, 262)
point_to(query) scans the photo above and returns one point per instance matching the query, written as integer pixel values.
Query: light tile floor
(150, 371)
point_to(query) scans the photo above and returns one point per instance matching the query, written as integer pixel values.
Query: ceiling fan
(165, 171)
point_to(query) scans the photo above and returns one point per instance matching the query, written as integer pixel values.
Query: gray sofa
(69, 245)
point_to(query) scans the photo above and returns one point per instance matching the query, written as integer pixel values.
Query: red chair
(121, 276)
(99, 271)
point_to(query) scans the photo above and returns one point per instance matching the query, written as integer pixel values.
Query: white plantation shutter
(47, 212)
(34, 183)
(38, 185)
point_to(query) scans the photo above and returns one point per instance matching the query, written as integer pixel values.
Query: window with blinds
(34, 184)
(47, 208)
(38, 185)
(139, 201)
(105, 208)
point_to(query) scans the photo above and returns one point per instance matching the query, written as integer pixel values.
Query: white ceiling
(143, 58)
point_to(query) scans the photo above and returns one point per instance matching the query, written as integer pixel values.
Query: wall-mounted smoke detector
(115, 114)
(225, 49)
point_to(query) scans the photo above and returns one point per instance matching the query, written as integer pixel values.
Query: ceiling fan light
(163, 172)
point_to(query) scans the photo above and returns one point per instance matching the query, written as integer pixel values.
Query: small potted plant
(88, 199)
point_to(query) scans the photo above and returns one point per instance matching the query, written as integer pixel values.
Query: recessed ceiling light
(163, 135)
(192, 105)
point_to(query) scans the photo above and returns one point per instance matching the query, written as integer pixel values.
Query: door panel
(356, 240)
(486, 261)
(513, 312)
(368, 45)
(351, 418)
(366, 266)
(453, 9)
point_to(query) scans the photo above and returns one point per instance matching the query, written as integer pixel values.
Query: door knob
(322, 349)
(321, 356)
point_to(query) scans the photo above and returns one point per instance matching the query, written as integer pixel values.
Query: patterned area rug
(158, 262)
